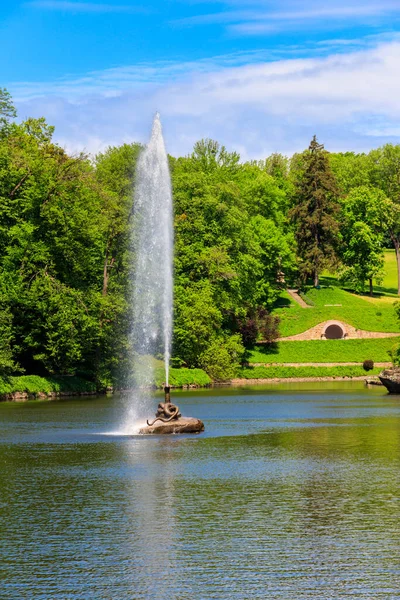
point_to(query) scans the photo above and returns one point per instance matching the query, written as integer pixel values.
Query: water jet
(152, 245)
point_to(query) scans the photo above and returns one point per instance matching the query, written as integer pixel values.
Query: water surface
(292, 493)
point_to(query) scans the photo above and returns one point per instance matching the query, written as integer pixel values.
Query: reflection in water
(294, 497)
(151, 519)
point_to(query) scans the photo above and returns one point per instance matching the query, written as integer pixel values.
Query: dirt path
(297, 298)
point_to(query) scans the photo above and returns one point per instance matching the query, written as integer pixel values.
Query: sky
(258, 76)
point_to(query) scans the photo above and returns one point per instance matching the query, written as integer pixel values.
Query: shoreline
(49, 396)
(299, 380)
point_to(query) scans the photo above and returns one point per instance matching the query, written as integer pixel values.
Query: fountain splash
(152, 243)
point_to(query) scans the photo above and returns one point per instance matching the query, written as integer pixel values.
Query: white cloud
(256, 18)
(351, 100)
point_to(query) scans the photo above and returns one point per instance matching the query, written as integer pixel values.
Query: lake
(291, 493)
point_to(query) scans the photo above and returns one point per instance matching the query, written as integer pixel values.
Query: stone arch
(334, 330)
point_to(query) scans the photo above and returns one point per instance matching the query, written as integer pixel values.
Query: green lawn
(389, 283)
(388, 287)
(355, 310)
(324, 351)
(286, 372)
(33, 384)
(182, 377)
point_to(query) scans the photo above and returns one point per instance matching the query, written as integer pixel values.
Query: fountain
(152, 242)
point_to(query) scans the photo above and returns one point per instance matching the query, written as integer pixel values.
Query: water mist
(152, 244)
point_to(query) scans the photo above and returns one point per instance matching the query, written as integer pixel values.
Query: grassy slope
(33, 384)
(389, 283)
(354, 310)
(325, 351)
(387, 289)
(286, 372)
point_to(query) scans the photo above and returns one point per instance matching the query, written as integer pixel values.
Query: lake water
(291, 493)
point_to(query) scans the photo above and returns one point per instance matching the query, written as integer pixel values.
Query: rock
(181, 425)
(390, 378)
(373, 381)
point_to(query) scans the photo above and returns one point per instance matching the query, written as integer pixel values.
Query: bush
(248, 329)
(269, 327)
(368, 365)
(223, 357)
(394, 354)
(258, 323)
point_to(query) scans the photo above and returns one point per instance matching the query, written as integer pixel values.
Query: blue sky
(259, 76)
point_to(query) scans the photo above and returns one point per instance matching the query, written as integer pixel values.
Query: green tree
(385, 174)
(351, 170)
(364, 221)
(51, 248)
(223, 357)
(7, 109)
(315, 213)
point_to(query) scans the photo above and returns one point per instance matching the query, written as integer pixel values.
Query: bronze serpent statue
(166, 411)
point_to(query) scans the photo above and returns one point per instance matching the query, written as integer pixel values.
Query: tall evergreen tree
(315, 212)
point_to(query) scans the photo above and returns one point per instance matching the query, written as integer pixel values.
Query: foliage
(258, 324)
(7, 110)
(223, 357)
(368, 365)
(315, 213)
(364, 221)
(65, 256)
(33, 384)
(7, 364)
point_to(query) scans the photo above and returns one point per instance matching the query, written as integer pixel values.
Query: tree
(51, 249)
(315, 213)
(115, 174)
(364, 222)
(7, 109)
(351, 170)
(385, 174)
(223, 357)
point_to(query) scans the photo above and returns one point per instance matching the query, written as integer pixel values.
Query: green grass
(354, 310)
(322, 351)
(33, 384)
(388, 287)
(286, 372)
(183, 377)
(390, 281)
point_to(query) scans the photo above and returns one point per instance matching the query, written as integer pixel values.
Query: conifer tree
(315, 212)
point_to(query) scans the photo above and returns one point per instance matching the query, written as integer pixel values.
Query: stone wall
(350, 333)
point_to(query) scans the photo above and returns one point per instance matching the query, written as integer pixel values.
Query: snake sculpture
(166, 412)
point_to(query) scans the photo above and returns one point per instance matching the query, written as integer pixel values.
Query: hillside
(335, 303)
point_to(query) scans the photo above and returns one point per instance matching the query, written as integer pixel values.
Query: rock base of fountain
(181, 425)
(168, 419)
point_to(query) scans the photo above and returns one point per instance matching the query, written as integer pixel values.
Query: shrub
(269, 327)
(258, 323)
(394, 354)
(222, 359)
(248, 329)
(368, 365)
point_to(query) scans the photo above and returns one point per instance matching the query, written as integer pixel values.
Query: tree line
(239, 226)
